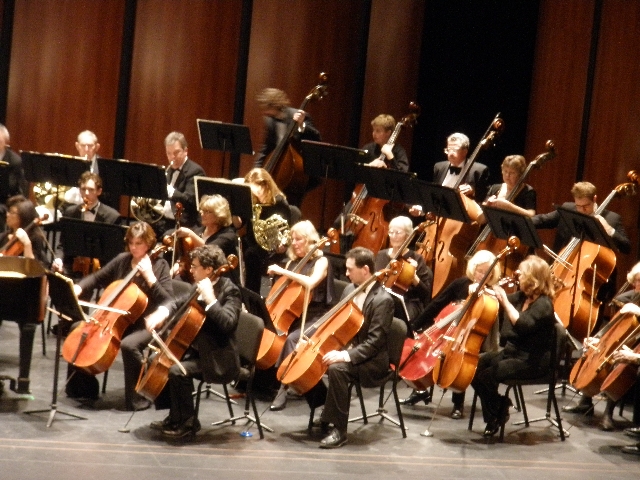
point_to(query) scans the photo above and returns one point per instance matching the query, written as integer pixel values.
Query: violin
(458, 360)
(580, 270)
(185, 326)
(303, 368)
(285, 303)
(14, 247)
(445, 242)
(285, 163)
(93, 345)
(367, 218)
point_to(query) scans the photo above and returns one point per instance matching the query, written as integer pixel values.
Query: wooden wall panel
(291, 43)
(184, 68)
(557, 97)
(613, 146)
(64, 73)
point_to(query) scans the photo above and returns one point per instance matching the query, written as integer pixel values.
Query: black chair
(248, 335)
(338, 288)
(550, 378)
(395, 342)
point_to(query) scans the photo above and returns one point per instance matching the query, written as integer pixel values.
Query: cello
(190, 318)
(180, 249)
(620, 380)
(366, 218)
(447, 240)
(303, 368)
(93, 345)
(285, 303)
(581, 269)
(487, 241)
(458, 360)
(285, 162)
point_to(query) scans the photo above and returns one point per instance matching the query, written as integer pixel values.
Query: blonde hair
(480, 258)
(583, 190)
(306, 230)
(633, 273)
(219, 206)
(515, 162)
(385, 121)
(535, 277)
(261, 177)
(402, 222)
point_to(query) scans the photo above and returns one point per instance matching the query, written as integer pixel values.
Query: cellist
(155, 281)
(314, 276)
(215, 356)
(631, 357)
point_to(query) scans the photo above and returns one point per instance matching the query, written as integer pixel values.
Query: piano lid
(20, 267)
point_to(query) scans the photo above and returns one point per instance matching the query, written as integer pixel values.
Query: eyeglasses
(395, 232)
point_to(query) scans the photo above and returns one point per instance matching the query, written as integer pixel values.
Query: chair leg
(311, 415)
(104, 382)
(197, 394)
(472, 413)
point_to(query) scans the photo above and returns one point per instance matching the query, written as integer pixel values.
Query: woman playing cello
(456, 292)
(24, 236)
(314, 276)
(155, 282)
(528, 326)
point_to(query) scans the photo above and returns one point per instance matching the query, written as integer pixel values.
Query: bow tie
(91, 210)
(454, 170)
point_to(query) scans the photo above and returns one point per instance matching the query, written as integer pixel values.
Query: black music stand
(133, 179)
(255, 305)
(237, 194)
(387, 184)
(324, 160)
(505, 224)
(63, 298)
(224, 137)
(585, 227)
(91, 239)
(441, 201)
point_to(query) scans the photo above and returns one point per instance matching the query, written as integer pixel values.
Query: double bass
(285, 303)
(366, 216)
(285, 162)
(487, 241)
(93, 345)
(445, 242)
(581, 269)
(190, 318)
(303, 368)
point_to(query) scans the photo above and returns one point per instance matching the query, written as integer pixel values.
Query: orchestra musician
(271, 201)
(524, 203)
(214, 357)
(314, 276)
(154, 281)
(395, 155)
(418, 293)
(456, 292)
(22, 225)
(367, 358)
(626, 355)
(527, 326)
(181, 186)
(585, 405)
(16, 182)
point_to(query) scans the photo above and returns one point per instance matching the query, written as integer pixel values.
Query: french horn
(272, 232)
(148, 210)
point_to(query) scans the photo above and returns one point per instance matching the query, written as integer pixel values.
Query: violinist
(272, 206)
(629, 301)
(314, 276)
(524, 203)
(23, 236)
(418, 293)
(456, 292)
(367, 358)
(214, 357)
(395, 155)
(527, 326)
(154, 280)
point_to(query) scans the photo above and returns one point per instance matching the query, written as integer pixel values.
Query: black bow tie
(454, 170)
(92, 210)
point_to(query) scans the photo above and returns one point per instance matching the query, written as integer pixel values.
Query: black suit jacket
(104, 213)
(400, 160)
(14, 183)
(478, 177)
(185, 191)
(369, 352)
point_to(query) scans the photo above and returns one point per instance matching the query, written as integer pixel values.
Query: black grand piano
(22, 299)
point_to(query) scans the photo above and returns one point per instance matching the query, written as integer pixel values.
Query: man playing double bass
(213, 354)
(367, 358)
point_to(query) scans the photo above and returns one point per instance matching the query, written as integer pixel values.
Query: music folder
(226, 137)
(91, 239)
(55, 168)
(585, 227)
(387, 184)
(134, 179)
(441, 201)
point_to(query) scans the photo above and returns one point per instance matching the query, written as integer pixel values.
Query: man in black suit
(367, 358)
(181, 187)
(12, 180)
(214, 356)
(91, 210)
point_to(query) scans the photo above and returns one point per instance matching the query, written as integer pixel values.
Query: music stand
(441, 201)
(98, 240)
(225, 137)
(63, 297)
(585, 227)
(387, 184)
(133, 179)
(237, 194)
(255, 305)
(4, 182)
(505, 224)
(324, 160)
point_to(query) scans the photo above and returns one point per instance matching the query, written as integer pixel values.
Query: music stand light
(64, 299)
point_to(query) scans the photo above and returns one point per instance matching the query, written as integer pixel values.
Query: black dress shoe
(140, 404)
(416, 397)
(632, 449)
(582, 408)
(492, 428)
(323, 426)
(190, 427)
(161, 425)
(607, 424)
(335, 439)
(456, 413)
(632, 432)
(280, 402)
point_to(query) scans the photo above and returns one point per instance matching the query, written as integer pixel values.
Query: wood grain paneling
(64, 73)
(184, 67)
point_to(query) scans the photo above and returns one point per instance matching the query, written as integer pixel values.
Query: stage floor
(95, 449)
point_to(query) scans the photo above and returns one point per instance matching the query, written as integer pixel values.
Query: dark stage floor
(95, 449)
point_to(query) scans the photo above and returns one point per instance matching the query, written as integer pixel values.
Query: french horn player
(267, 232)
